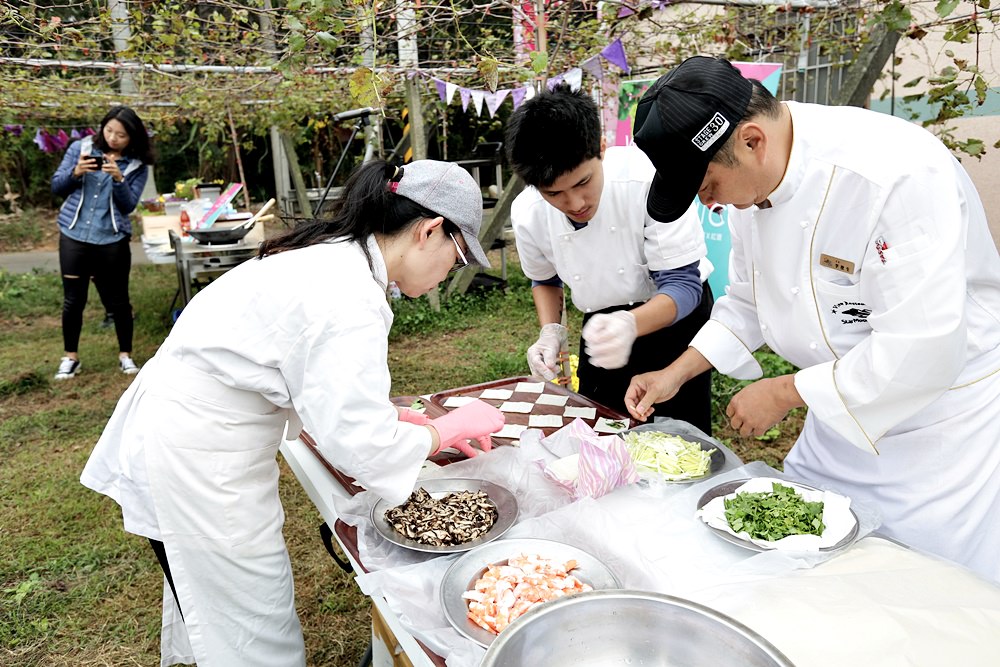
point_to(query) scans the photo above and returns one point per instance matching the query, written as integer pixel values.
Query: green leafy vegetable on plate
(671, 456)
(773, 515)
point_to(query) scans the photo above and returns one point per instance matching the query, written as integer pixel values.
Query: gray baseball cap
(450, 191)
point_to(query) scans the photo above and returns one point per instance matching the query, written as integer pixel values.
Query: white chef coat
(189, 452)
(874, 272)
(607, 263)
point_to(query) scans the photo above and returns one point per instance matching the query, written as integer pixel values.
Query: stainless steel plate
(727, 488)
(503, 499)
(716, 462)
(464, 572)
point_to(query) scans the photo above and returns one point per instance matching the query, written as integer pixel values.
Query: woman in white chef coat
(861, 253)
(582, 223)
(297, 336)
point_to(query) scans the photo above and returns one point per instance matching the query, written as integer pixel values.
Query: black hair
(367, 206)
(553, 133)
(139, 145)
(762, 104)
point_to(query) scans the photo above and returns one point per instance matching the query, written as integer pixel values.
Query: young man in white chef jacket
(861, 254)
(582, 223)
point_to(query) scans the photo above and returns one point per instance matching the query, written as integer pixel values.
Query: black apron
(652, 352)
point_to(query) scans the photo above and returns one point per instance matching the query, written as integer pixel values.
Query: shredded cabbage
(671, 456)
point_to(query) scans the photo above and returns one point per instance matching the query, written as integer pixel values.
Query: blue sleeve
(683, 285)
(127, 193)
(554, 281)
(63, 181)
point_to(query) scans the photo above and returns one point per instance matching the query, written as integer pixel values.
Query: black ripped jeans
(109, 265)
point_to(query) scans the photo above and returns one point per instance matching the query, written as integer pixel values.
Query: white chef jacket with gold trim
(874, 271)
(607, 263)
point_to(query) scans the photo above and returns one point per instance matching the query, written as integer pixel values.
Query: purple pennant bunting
(16, 130)
(441, 88)
(75, 134)
(554, 81)
(40, 135)
(517, 95)
(466, 95)
(624, 11)
(592, 66)
(614, 53)
(494, 100)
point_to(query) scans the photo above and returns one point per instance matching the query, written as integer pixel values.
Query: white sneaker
(67, 368)
(127, 365)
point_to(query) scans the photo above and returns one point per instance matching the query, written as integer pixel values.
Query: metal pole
(408, 58)
(121, 33)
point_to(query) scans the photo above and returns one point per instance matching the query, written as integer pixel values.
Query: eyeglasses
(462, 261)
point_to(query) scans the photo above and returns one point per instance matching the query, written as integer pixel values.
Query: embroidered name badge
(851, 312)
(709, 134)
(837, 264)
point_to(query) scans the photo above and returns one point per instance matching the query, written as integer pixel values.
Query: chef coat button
(804, 224)
(631, 302)
(612, 228)
(813, 345)
(756, 272)
(577, 277)
(589, 309)
(795, 290)
(763, 327)
(621, 270)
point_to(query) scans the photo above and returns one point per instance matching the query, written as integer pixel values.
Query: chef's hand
(649, 388)
(412, 416)
(473, 421)
(608, 338)
(543, 356)
(759, 406)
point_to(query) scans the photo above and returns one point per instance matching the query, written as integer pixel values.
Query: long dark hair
(139, 145)
(366, 207)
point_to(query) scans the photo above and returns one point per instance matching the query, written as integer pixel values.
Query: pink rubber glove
(412, 416)
(473, 421)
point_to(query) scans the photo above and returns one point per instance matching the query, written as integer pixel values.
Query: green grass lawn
(75, 589)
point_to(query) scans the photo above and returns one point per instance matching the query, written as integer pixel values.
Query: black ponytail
(367, 206)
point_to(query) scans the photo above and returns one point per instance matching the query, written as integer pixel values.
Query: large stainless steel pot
(620, 627)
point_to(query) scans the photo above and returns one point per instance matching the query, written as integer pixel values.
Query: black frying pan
(214, 236)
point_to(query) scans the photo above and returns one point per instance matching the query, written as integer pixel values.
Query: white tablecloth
(876, 602)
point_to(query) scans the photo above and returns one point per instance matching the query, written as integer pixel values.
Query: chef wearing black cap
(861, 254)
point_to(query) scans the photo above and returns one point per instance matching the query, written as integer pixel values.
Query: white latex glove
(543, 356)
(608, 338)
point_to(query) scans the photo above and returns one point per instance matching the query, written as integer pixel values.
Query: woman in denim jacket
(102, 178)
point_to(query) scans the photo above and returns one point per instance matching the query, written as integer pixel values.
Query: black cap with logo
(682, 120)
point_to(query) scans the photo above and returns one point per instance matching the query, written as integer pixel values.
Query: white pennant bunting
(477, 99)
(449, 92)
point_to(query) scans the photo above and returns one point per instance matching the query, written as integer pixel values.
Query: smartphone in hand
(97, 156)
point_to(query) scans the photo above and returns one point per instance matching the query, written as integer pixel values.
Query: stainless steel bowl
(619, 627)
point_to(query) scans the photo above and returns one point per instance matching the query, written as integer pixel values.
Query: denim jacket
(124, 195)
